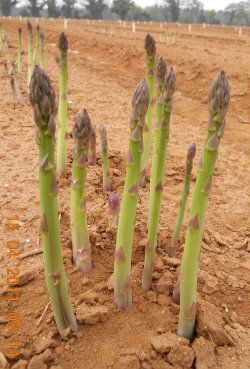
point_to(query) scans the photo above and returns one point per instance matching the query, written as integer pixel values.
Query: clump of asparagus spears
(43, 101)
(219, 96)
(92, 147)
(106, 184)
(158, 169)
(150, 49)
(63, 106)
(80, 237)
(122, 267)
(183, 202)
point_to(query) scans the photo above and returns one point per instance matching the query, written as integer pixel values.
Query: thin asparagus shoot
(125, 233)
(157, 176)
(30, 52)
(80, 237)
(113, 209)
(19, 54)
(1, 37)
(219, 96)
(37, 44)
(92, 147)
(63, 106)
(43, 101)
(14, 81)
(41, 43)
(183, 202)
(150, 49)
(105, 161)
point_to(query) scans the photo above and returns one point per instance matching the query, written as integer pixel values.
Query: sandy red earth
(105, 63)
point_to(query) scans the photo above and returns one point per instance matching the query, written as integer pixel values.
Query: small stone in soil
(166, 341)
(181, 356)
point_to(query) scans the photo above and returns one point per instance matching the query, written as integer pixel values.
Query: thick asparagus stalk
(80, 237)
(182, 208)
(219, 96)
(92, 147)
(30, 52)
(149, 46)
(157, 177)
(41, 43)
(63, 106)
(19, 53)
(113, 209)
(43, 101)
(106, 184)
(122, 268)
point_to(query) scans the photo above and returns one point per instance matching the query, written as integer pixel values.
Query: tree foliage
(7, 5)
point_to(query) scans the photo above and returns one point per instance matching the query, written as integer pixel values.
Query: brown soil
(105, 64)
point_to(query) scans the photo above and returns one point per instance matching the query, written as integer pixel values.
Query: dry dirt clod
(165, 284)
(3, 361)
(166, 341)
(210, 324)
(151, 296)
(127, 362)
(91, 314)
(37, 362)
(181, 356)
(205, 354)
(42, 344)
(21, 364)
(27, 276)
(161, 364)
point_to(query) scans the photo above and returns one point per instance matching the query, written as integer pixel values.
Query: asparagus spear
(19, 53)
(219, 96)
(63, 106)
(182, 208)
(92, 147)
(105, 161)
(41, 50)
(122, 267)
(43, 101)
(113, 209)
(30, 52)
(37, 46)
(157, 176)
(150, 48)
(80, 237)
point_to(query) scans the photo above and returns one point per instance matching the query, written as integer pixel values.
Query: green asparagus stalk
(19, 53)
(63, 106)
(113, 209)
(105, 161)
(41, 43)
(14, 81)
(157, 176)
(37, 44)
(182, 208)
(219, 97)
(43, 101)
(92, 147)
(122, 267)
(30, 52)
(1, 37)
(80, 237)
(149, 46)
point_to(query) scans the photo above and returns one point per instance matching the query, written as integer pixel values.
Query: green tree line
(188, 11)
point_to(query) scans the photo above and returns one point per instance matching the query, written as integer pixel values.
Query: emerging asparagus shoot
(105, 161)
(122, 267)
(182, 208)
(157, 176)
(43, 101)
(92, 147)
(63, 106)
(37, 44)
(150, 49)
(113, 209)
(219, 97)
(80, 237)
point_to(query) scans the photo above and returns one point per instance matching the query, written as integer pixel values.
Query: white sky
(208, 4)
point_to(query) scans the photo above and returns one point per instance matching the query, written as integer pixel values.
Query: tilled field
(106, 61)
